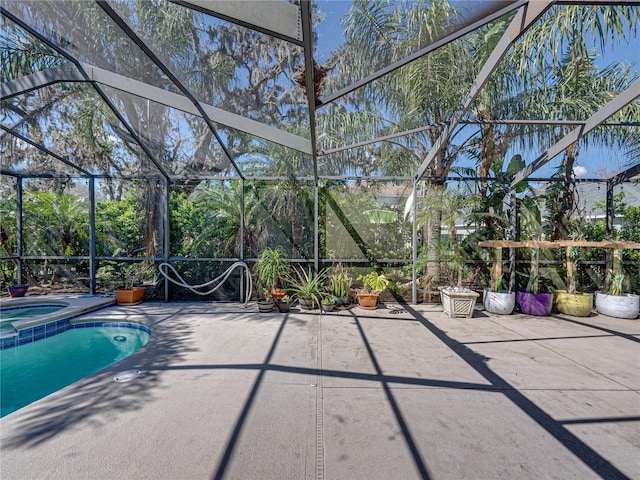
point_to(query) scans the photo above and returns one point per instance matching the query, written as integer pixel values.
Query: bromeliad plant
(340, 283)
(305, 285)
(615, 284)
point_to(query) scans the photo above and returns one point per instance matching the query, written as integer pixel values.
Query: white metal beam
(182, 103)
(62, 73)
(526, 16)
(273, 17)
(69, 73)
(618, 103)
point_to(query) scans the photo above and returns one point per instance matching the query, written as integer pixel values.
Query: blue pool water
(13, 314)
(32, 371)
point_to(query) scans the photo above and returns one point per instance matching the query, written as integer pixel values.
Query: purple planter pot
(535, 303)
(18, 290)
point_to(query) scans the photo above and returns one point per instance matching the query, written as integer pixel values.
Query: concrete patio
(402, 392)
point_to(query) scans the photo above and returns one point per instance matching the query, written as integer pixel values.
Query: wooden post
(571, 285)
(496, 275)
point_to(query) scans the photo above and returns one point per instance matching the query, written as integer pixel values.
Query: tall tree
(420, 94)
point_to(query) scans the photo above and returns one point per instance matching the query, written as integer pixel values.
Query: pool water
(8, 315)
(33, 371)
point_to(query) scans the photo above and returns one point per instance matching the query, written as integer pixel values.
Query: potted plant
(284, 304)
(129, 294)
(307, 287)
(614, 302)
(531, 300)
(570, 301)
(495, 299)
(272, 268)
(265, 304)
(18, 290)
(340, 283)
(457, 301)
(328, 303)
(372, 285)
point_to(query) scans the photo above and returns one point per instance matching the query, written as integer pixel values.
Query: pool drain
(120, 338)
(127, 376)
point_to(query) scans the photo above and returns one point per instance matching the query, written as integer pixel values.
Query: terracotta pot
(129, 296)
(535, 303)
(278, 294)
(368, 300)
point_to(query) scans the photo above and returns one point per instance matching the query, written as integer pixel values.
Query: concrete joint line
(319, 407)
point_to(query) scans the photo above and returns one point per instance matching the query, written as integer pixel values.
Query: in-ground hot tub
(10, 314)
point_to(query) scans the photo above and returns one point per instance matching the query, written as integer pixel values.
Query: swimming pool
(22, 312)
(34, 370)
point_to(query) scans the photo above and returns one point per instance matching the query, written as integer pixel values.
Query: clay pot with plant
(372, 285)
(284, 304)
(128, 293)
(272, 269)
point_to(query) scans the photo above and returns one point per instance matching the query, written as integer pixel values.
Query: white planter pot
(619, 306)
(501, 303)
(458, 303)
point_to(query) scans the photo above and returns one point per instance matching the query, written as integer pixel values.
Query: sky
(592, 160)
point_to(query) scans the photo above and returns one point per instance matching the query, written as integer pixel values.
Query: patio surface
(402, 392)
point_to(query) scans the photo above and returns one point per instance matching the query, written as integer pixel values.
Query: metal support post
(316, 230)
(167, 232)
(92, 235)
(414, 246)
(513, 219)
(241, 233)
(19, 251)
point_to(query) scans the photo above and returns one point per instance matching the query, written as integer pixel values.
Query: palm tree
(570, 86)
(452, 207)
(419, 94)
(550, 73)
(217, 206)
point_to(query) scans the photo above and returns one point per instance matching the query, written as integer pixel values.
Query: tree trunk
(433, 234)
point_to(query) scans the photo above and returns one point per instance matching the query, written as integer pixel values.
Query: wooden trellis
(615, 246)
